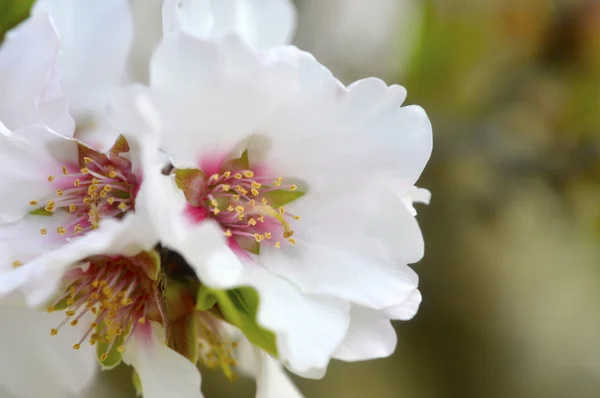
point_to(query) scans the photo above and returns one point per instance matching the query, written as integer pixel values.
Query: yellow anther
(72, 291)
(87, 160)
(85, 170)
(240, 217)
(122, 206)
(33, 202)
(112, 174)
(61, 230)
(103, 194)
(292, 241)
(228, 233)
(278, 244)
(72, 207)
(50, 206)
(252, 202)
(214, 177)
(268, 235)
(293, 187)
(230, 208)
(50, 309)
(239, 209)
(227, 174)
(236, 197)
(296, 217)
(256, 184)
(225, 187)
(70, 313)
(70, 301)
(86, 200)
(264, 201)
(95, 284)
(254, 191)
(16, 264)
(93, 325)
(214, 203)
(65, 171)
(216, 211)
(77, 182)
(141, 320)
(107, 188)
(287, 234)
(241, 189)
(248, 174)
(74, 322)
(121, 348)
(281, 210)
(76, 346)
(252, 221)
(50, 178)
(258, 238)
(110, 200)
(53, 332)
(94, 310)
(103, 357)
(43, 231)
(237, 176)
(261, 218)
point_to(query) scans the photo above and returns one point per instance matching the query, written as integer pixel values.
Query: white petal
(370, 336)
(260, 23)
(29, 354)
(162, 371)
(343, 249)
(39, 278)
(95, 38)
(29, 78)
(271, 379)
(308, 327)
(147, 20)
(29, 157)
(406, 310)
(200, 81)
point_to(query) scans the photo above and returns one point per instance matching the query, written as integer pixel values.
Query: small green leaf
(114, 356)
(241, 163)
(239, 307)
(282, 197)
(41, 212)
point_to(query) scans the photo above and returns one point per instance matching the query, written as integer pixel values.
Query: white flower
(281, 168)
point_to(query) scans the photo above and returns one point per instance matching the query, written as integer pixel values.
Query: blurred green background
(511, 275)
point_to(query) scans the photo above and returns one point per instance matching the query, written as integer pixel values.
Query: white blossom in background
(279, 168)
(32, 96)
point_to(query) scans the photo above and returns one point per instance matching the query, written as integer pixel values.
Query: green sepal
(282, 197)
(137, 383)
(241, 163)
(41, 212)
(206, 299)
(149, 262)
(249, 244)
(114, 356)
(183, 337)
(189, 180)
(239, 308)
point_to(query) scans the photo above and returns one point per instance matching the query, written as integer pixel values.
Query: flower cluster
(221, 199)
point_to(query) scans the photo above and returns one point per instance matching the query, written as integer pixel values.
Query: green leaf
(241, 163)
(137, 383)
(41, 212)
(12, 12)
(239, 307)
(282, 197)
(114, 356)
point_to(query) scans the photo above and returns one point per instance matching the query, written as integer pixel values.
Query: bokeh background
(511, 274)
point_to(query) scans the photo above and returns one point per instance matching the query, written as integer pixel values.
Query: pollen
(33, 202)
(43, 231)
(87, 160)
(61, 230)
(248, 174)
(50, 206)
(76, 346)
(50, 178)
(65, 171)
(17, 264)
(53, 332)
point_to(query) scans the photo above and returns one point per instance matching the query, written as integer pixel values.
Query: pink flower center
(116, 291)
(96, 191)
(248, 206)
